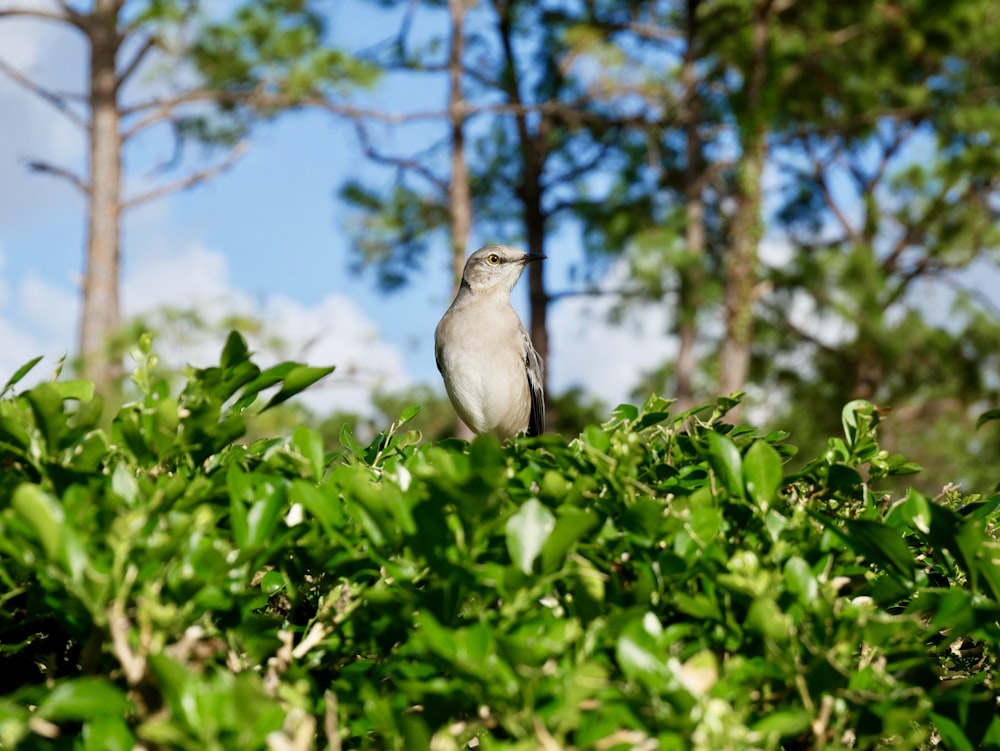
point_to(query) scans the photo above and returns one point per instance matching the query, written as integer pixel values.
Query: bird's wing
(536, 379)
(437, 347)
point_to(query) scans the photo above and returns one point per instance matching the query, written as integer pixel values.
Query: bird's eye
(493, 259)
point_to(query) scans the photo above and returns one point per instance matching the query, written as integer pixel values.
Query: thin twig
(56, 100)
(189, 181)
(819, 175)
(136, 60)
(50, 169)
(68, 16)
(627, 294)
(400, 163)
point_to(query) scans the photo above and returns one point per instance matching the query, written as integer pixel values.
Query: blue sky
(267, 238)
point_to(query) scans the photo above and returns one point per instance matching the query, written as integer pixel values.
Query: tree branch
(133, 64)
(189, 181)
(581, 169)
(59, 101)
(50, 169)
(68, 15)
(890, 147)
(160, 109)
(781, 315)
(819, 174)
(400, 163)
(625, 293)
(978, 295)
(654, 32)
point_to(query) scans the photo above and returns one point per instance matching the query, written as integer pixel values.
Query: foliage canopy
(658, 581)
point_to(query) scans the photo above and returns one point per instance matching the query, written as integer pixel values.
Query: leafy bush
(656, 583)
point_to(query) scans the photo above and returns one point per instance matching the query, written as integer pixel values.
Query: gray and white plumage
(490, 368)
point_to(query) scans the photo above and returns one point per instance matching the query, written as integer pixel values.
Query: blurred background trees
(168, 66)
(794, 181)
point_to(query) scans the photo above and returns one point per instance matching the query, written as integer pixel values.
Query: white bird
(491, 370)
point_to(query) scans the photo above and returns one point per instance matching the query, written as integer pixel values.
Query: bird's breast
(484, 371)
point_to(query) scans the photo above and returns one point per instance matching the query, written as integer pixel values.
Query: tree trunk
(101, 318)
(741, 269)
(530, 193)
(691, 273)
(459, 191)
(537, 296)
(747, 227)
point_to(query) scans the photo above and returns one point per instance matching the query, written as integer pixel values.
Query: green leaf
(327, 508)
(43, 513)
(349, 442)
(107, 733)
(588, 587)
(19, 374)
(12, 432)
(272, 582)
(725, 460)
(80, 390)
(951, 733)
(992, 414)
(881, 545)
(638, 653)
(800, 579)
(527, 530)
(235, 352)
(766, 618)
(596, 437)
(83, 698)
(47, 404)
(858, 418)
(434, 636)
(309, 443)
(298, 379)
(240, 491)
(264, 512)
(784, 723)
(571, 524)
(624, 413)
(762, 473)
(124, 484)
(409, 413)
(264, 380)
(706, 520)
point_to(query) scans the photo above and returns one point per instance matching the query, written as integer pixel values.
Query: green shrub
(658, 582)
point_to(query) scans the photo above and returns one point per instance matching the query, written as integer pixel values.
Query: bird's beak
(529, 257)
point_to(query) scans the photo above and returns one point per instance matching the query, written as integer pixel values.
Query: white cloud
(194, 276)
(4, 287)
(36, 318)
(604, 358)
(334, 331)
(51, 310)
(40, 318)
(33, 129)
(18, 347)
(33, 318)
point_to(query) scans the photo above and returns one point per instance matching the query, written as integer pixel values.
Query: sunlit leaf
(762, 473)
(297, 380)
(725, 460)
(527, 531)
(82, 698)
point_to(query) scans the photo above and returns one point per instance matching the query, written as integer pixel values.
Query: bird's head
(496, 267)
